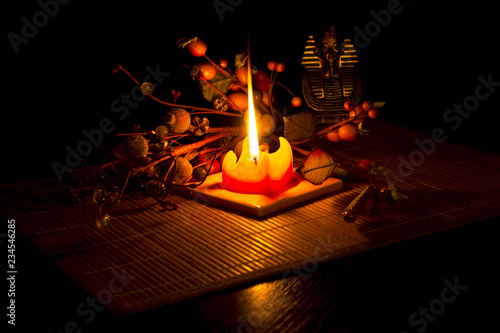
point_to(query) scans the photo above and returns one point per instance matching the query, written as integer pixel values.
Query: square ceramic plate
(296, 191)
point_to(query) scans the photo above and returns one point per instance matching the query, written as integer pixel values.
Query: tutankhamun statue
(330, 76)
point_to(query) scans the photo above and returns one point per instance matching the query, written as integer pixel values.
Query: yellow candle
(268, 174)
(256, 172)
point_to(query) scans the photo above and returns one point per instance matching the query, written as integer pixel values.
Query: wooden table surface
(375, 291)
(384, 289)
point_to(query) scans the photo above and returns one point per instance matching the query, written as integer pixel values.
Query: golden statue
(330, 76)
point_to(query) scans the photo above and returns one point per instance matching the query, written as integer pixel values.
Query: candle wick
(255, 160)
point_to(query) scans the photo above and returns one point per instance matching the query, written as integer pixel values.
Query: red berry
(356, 113)
(367, 105)
(373, 113)
(238, 100)
(349, 105)
(223, 63)
(365, 165)
(215, 167)
(350, 217)
(208, 159)
(348, 132)
(369, 204)
(203, 158)
(382, 208)
(265, 98)
(334, 136)
(242, 75)
(261, 80)
(358, 109)
(375, 219)
(296, 101)
(197, 48)
(272, 64)
(280, 67)
(207, 70)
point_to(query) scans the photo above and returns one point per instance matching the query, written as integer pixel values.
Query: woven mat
(169, 256)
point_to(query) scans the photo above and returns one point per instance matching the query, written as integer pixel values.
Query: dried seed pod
(135, 146)
(183, 170)
(161, 131)
(158, 144)
(199, 126)
(177, 120)
(266, 125)
(147, 88)
(103, 221)
(112, 199)
(156, 188)
(220, 104)
(98, 196)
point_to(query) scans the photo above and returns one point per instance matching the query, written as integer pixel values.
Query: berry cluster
(349, 130)
(376, 198)
(237, 98)
(184, 149)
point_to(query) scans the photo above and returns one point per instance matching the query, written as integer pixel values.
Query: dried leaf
(183, 42)
(317, 167)
(221, 82)
(396, 195)
(300, 126)
(240, 60)
(378, 105)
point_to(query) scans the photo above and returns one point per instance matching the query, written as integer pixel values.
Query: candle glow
(256, 172)
(252, 124)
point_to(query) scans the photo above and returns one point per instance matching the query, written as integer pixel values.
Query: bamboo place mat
(167, 256)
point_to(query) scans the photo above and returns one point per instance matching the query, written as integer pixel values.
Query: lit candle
(256, 172)
(268, 174)
(252, 123)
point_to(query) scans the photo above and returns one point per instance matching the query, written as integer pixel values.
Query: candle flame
(253, 137)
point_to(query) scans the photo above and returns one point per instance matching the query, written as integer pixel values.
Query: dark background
(61, 81)
(424, 61)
